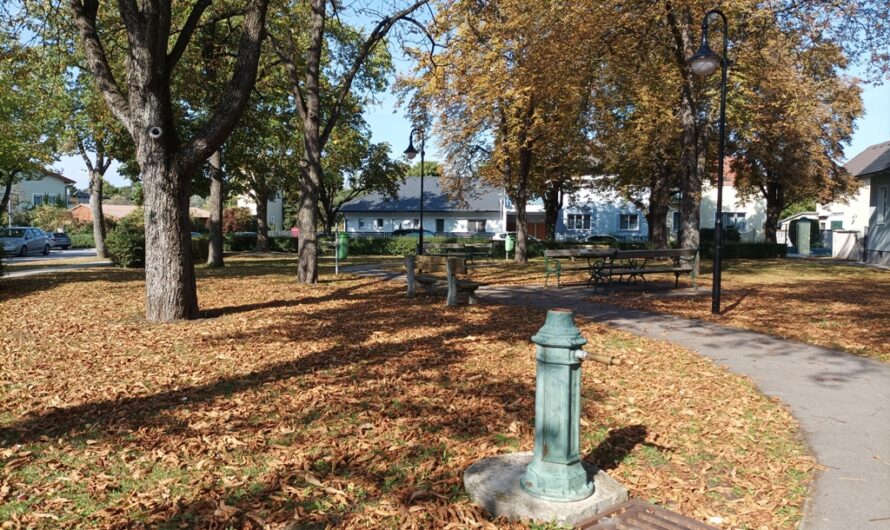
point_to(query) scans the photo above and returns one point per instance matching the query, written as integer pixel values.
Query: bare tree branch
(232, 103)
(97, 61)
(373, 39)
(185, 35)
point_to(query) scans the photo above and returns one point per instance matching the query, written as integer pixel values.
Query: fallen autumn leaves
(342, 405)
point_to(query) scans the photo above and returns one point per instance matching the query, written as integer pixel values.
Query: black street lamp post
(705, 63)
(410, 153)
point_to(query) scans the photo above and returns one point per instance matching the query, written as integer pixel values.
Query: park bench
(471, 252)
(439, 275)
(640, 263)
(558, 262)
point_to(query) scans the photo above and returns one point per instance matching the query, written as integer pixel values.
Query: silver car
(24, 240)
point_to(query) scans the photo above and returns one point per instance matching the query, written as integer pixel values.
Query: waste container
(509, 243)
(342, 245)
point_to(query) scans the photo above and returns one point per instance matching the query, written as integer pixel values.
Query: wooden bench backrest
(563, 253)
(655, 254)
(438, 264)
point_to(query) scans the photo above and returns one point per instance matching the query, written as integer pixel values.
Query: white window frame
(378, 224)
(476, 226)
(37, 199)
(629, 228)
(732, 219)
(578, 221)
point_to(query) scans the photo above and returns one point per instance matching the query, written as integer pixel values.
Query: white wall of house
(464, 222)
(589, 213)
(274, 214)
(748, 216)
(851, 214)
(31, 192)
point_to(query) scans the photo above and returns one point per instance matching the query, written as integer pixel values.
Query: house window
(378, 224)
(883, 204)
(578, 221)
(37, 199)
(735, 220)
(629, 221)
(440, 225)
(476, 225)
(361, 223)
(837, 225)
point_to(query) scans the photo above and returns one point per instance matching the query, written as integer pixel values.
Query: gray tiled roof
(872, 160)
(480, 199)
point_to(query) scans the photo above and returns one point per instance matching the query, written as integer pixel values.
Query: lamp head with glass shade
(410, 153)
(705, 62)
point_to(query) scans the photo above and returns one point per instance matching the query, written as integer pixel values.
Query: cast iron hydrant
(556, 472)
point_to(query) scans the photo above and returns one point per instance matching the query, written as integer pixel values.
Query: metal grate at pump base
(640, 515)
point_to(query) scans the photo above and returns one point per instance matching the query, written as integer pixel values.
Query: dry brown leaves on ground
(342, 405)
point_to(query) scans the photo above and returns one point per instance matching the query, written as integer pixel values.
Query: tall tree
(354, 168)
(798, 114)
(321, 105)
(493, 90)
(157, 37)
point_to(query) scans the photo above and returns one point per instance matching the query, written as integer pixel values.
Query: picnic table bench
(640, 263)
(557, 262)
(603, 266)
(428, 271)
(471, 252)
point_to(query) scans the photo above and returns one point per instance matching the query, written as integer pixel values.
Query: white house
(45, 187)
(747, 216)
(860, 226)
(274, 211)
(482, 211)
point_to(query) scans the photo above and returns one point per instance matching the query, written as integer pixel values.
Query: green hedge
(747, 251)
(82, 240)
(126, 243)
(243, 242)
(399, 246)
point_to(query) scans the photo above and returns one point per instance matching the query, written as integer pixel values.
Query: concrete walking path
(841, 401)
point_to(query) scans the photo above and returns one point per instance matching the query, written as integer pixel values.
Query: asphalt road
(55, 254)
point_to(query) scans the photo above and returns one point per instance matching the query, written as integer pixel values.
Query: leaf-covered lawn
(342, 405)
(837, 306)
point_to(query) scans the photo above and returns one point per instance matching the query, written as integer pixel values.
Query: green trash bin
(509, 244)
(342, 245)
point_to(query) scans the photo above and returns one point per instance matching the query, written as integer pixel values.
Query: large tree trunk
(521, 253)
(170, 292)
(775, 203)
(215, 251)
(690, 177)
(262, 222)
(96, 184)
(307, 220)
(311, 171)
(659, 205)
(7, 191)
(552, 205)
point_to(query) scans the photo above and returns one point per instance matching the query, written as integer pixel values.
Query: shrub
(283, 244)
(200, 248)
(238, 220)
(239, 242)
(82, 240)
(126, 243)
(730, 235)
(746, 250)
(50, 217)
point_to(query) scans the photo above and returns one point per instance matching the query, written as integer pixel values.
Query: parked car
(411, 232)
(611, 241)
(23, 240)
(59, 240)
(501, 236)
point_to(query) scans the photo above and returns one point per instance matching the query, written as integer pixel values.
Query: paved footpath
(841, 401)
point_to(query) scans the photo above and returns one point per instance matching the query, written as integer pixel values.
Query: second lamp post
(410, 153)
(705, 63)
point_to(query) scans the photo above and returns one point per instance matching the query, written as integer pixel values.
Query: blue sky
(389, 124)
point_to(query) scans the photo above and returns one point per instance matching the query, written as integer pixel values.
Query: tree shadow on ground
(616, 446)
